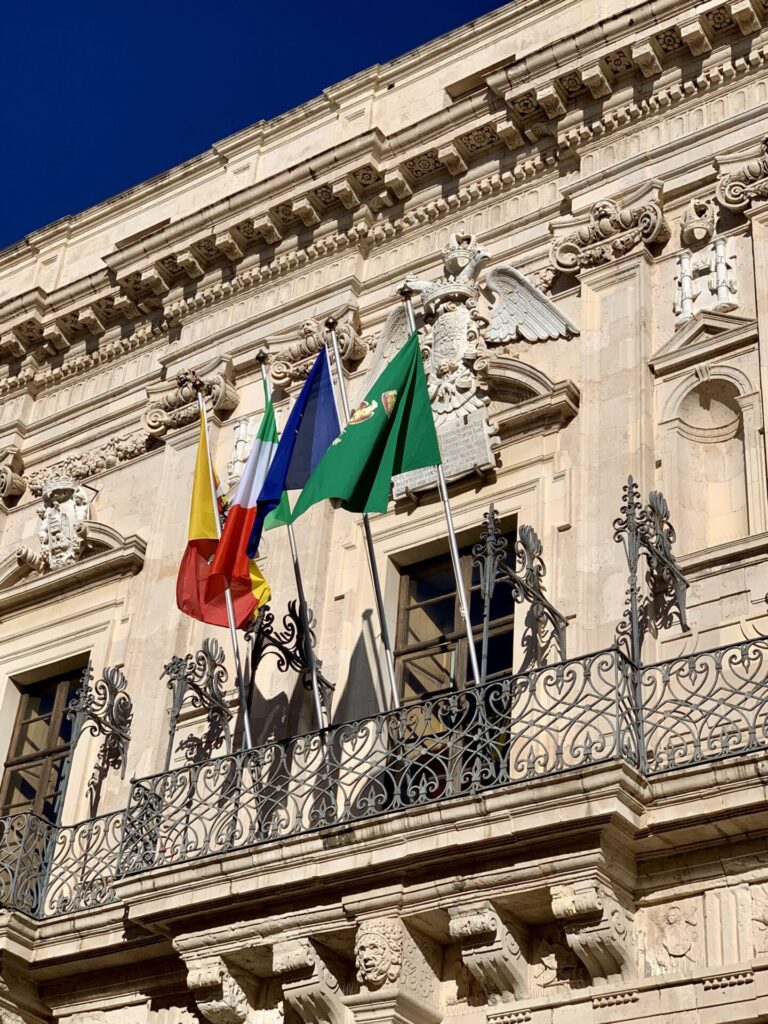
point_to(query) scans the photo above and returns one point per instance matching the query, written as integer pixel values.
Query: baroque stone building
(576, 195)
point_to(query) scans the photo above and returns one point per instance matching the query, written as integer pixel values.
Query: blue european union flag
(312, 427)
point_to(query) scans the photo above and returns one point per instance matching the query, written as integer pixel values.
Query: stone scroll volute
(491, 951)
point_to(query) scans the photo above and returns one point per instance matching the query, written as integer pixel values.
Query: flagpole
(303, 609)
(330, 323)
(406, 294)
(227, 593)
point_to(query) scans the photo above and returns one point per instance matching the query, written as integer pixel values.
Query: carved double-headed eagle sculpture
(459, 336)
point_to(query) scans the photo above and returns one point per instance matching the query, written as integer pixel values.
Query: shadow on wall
(365, 689)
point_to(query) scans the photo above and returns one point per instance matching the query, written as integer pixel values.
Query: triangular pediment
(705, 335)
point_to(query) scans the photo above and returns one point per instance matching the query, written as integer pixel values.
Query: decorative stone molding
(598, 929)
(223, 995)
(490, 950)
(378, 952)
(398, 973)
(737, 189)
(173, 404)
(673, 941)
(311, 980)
(609, 231)
(118, 449)
(698, 223)
(63, 530)
(105, 554)
(759, 895)
(693, 294)
(295, 362)
(12, 482)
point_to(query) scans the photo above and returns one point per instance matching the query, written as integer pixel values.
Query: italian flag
(231, 565)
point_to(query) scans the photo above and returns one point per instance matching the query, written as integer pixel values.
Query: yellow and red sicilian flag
(248, 586)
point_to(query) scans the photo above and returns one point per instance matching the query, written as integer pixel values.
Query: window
(39, 747)
(431, 651)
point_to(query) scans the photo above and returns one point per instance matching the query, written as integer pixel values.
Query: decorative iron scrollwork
(646, 530)
(544, 635)
(289, 646)
(103, 708)
(198, 681)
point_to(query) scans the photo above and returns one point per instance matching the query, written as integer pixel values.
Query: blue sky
(100, 96)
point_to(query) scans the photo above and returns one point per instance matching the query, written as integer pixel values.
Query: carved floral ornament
(294, 362)
(738, 189)
(173, 404)
(609, 231)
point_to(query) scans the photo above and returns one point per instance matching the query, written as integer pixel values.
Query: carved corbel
(293, 363)
(598, 929)
(550, 100)
(223, 994)
(55, 340)
(610, 230)
(397, 969)
(490, 950)
(694, 35)
(267, 226)
(397, 183)
(347, 190)
(455, 163)
(306, 211)
(596, 80)
(173, 404)
(311, 980)
(645, 56)
(12, 342)
(745, 179)
(231, 244)
(190, 263)
(509, 131)
(12, 482)
(91, 320)
(745, 15)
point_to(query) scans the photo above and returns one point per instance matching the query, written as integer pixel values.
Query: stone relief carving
(12, 482)
(85, 464)
(293, 364)
(223, 996)
(310, 978)
(698, 223)
(673, 939)
(62, 532)
(378, 952)
(706, 280)
(598, 929)
(458, 334)
(760, 919)
(609, 231)
(490, 950)
(738, 189)
(555, 966)
(173, 404)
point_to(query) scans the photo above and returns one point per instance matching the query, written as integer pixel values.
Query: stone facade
(576, 194)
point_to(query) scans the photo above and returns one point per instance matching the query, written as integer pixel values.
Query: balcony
(562, 719)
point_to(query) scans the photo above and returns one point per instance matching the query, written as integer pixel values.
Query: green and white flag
(391, 431)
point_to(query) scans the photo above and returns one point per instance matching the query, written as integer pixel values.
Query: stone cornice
(153, 274)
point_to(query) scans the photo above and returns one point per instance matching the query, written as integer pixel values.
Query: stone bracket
(311, 980)
(598, 928)
(491, 950)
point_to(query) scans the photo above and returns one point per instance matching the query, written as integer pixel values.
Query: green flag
(391, 431)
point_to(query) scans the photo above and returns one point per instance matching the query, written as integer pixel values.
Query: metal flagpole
(330, 323)
(406, 293)
(227, 592)
(303, 610)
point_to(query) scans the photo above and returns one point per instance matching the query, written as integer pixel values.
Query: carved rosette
(491, 951)
(738, 189)
(608, 232)
(174, 404)
(598, 929)
(294, 363)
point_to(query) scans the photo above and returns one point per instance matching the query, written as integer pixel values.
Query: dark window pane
(428, 622)
(38, 701)
(428, 673)
(32, 737)
(431, 579)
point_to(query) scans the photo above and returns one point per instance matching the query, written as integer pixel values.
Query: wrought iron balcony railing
(582, 712)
